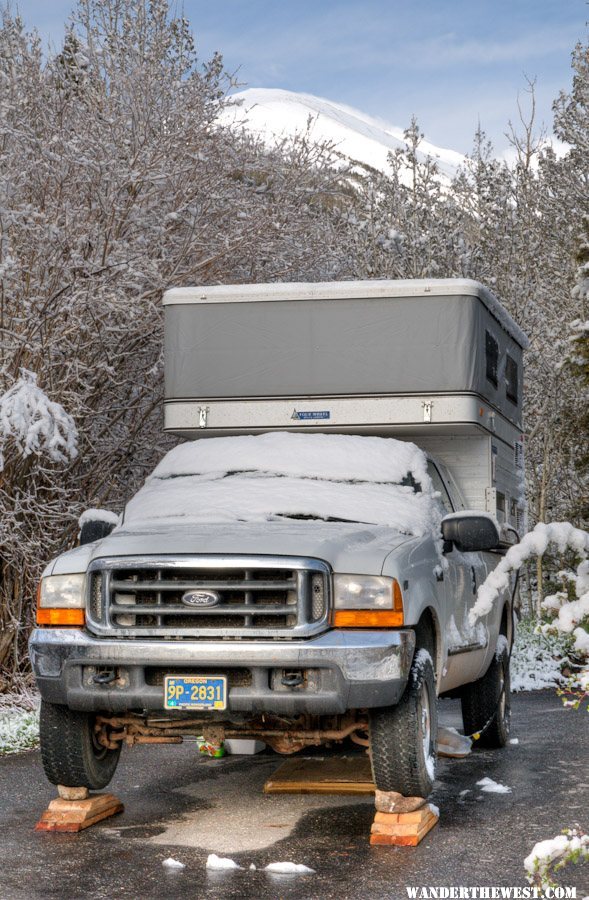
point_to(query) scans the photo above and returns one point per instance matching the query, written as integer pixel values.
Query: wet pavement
(183, 806)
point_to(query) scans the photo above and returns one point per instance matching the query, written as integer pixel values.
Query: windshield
(342, 478)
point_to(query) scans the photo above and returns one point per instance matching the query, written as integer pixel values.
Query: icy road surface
(184, 807)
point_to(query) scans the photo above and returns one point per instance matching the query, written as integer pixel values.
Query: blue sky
(449, 62)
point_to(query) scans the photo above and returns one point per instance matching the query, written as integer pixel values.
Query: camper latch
(203, 412)
(427, 410)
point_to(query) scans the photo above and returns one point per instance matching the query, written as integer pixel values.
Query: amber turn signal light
(60, 617)
(364, 618)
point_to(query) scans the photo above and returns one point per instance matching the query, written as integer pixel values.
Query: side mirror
(96, 524)
(470, 532)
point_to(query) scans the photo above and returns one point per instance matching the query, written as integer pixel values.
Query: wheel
(70, 753)
(403, 737)
(489, 698)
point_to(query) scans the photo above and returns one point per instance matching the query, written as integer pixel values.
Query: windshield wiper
(308, 517)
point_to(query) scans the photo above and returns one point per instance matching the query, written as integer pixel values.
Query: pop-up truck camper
(301, 568)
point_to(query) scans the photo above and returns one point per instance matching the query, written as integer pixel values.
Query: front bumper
(341, 670)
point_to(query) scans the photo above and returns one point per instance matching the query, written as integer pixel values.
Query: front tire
(403, 737)
(489, 699)
(70, 753)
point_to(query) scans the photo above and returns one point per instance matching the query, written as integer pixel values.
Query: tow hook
(105, 677)
(292, 679)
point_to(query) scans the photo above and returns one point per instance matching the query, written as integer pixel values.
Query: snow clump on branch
(564, 536)
(550, 856)
(36, 423)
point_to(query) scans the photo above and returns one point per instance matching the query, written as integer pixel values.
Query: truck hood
(347, 547)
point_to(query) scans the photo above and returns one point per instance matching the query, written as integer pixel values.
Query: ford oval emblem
(201, 598)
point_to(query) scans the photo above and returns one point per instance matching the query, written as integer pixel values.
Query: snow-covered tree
(116, 182)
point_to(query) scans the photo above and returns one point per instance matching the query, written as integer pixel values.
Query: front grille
(179, 597)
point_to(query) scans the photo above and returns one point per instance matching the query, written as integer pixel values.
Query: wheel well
(506, 626)
(426, 636)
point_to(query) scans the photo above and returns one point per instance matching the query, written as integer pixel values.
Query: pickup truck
(296, 588)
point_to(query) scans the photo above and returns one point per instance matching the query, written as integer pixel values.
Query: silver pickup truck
(296, 588)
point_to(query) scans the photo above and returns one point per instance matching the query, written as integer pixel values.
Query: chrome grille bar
(269, 597)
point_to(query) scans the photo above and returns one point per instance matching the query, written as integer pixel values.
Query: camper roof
(348, 290)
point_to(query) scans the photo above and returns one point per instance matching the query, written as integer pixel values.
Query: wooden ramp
(75, 815)
(403, 829)
(322, 775)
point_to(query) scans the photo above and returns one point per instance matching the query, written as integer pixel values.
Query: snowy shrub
(549, 857)
(575, 692)
(19, 724)
(117, 182)
(572, 616)
(35, 423)
(537, 658)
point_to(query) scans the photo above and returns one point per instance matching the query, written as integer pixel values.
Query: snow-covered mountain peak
(273, 114)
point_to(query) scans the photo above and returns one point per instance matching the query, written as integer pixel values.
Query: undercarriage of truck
(283, 735)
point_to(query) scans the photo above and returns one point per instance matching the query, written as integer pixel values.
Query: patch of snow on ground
(562, 846)
(218, 863)
(289, 868)
(493, 787)
(172, 863)
(514, 741)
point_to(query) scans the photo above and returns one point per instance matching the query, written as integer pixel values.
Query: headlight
(367, 601)
(62, 592)
(363, 592)
(61, 600)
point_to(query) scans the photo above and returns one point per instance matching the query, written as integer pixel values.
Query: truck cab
(302, 568)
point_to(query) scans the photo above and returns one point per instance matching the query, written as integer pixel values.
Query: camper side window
(511, 379)
(492, 356)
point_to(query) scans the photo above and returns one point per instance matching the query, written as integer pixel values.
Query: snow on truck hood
(272, 477)
(334, 497)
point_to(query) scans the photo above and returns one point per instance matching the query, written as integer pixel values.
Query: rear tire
(403, 737)
(489, 698)
(70, 753)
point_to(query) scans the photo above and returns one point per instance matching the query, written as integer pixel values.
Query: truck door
(464, 644)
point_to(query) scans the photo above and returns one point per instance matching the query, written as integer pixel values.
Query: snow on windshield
(277, 476)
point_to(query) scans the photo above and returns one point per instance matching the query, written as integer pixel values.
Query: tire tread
(396, 752)
(66, 749)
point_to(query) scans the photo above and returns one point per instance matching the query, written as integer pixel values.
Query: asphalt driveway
(183, 806)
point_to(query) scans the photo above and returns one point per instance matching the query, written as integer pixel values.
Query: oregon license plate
(195, 691)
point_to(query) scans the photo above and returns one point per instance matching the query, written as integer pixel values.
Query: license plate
(195, 692)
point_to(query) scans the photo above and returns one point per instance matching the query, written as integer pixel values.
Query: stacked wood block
(75, 809)
(319, 775)
(401, 821)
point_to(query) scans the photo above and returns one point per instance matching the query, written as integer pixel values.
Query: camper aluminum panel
(467, 458)
(484, 468)
(424, 413)
(347, 339)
